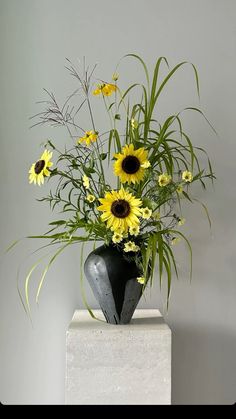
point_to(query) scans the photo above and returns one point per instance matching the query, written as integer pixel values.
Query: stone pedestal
(118, 364)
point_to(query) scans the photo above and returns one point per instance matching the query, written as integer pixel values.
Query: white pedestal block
(118, 364)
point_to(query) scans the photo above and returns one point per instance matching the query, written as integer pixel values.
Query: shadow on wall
(201, 371)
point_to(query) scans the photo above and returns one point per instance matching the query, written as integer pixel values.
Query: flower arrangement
(151, 165)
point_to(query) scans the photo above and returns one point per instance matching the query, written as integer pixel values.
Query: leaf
(109, 145)
(199, 111)
(168, 271)
(88, 171)
(12, 245)
(51, 144)
(144, 67)
(27, 279)
(190, 149)
(58, 222)
(103, 156)
(117, 138)
(205, 209)
(154, 84)
(187, 196)
(47, 267)
(154, 254)
(168, 249)
(126, 92)
(160, 253)
(176, 232)
(171, 74)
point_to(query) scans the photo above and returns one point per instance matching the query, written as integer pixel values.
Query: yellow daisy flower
(131, 247)
(141, 280)
(88, 138)
(40, 169)
(90, 198)
(120, 210)
(134, 231)
(180, 189)
(187, 176)
(128, 247)
(129, 164)
(86, 182)
(146, 213)
(106, 89)
(164, 179)
(117, 237)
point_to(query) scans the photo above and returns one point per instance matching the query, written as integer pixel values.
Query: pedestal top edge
(150, 319)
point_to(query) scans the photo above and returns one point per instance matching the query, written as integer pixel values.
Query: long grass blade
(47, 267)
(144, 67)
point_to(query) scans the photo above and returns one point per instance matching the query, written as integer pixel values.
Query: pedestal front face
(123, 364)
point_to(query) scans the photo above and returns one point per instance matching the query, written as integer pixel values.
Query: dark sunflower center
(130, 165)
(120, 208)
(39, 166)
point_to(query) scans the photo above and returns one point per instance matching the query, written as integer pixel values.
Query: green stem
(96, 147)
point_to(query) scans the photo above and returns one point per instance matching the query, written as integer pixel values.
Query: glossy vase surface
(113, 280)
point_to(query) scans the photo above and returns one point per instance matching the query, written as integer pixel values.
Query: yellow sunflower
(130, 164)
(120, 210)
(40, 169)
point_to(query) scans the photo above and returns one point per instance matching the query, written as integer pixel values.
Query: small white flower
(117, 237)
(146, 213)
(187, 176)
(131, 247)
(164, 179)
(134, 231)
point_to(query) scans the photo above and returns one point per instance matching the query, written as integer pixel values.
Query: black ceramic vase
(114, 283)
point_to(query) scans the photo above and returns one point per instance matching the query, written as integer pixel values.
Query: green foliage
(170, 150)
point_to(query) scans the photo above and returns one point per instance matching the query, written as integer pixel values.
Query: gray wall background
(35, 38)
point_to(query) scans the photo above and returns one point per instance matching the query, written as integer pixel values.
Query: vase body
(114, 283)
